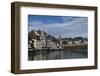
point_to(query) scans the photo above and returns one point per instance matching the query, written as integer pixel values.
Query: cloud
(70, 27)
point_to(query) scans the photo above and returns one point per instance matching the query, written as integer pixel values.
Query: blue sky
(66, 26)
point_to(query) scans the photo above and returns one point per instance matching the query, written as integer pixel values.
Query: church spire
(60, 41)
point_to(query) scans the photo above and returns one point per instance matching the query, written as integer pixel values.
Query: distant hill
(34, 34)
(75, 39)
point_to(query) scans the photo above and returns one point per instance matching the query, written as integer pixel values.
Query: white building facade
(43, 42)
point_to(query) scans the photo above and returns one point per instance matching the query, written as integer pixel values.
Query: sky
(65, 26)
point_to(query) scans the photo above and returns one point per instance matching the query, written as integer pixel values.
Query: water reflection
(68, 53)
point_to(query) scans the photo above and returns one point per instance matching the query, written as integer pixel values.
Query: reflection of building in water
(42, 41)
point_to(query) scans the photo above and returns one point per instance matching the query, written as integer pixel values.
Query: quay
(75, 46)
(65, 48)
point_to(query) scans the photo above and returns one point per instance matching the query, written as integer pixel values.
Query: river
(68, 53)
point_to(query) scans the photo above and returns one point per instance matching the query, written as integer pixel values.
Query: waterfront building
(51, 44)
(70, 43)
(41, 41)
(76, 42)
(30, 44)
(37, 44)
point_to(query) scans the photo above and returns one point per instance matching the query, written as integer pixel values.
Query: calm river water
(68, 53)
